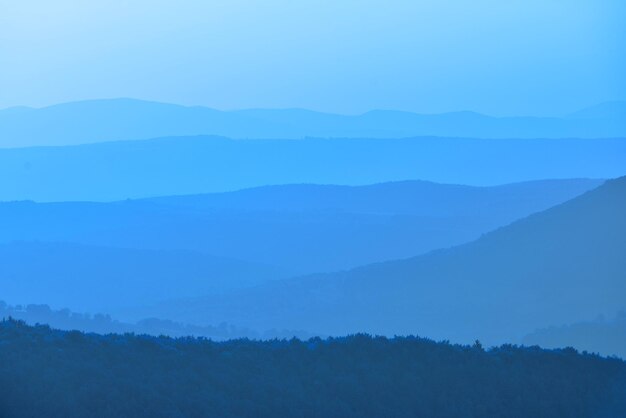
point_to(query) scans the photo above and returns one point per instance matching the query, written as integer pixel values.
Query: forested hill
(51, 373)
(562, 265)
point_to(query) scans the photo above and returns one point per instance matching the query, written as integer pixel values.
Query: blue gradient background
(516, 57)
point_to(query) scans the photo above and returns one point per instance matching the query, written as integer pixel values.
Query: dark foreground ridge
(52, 373)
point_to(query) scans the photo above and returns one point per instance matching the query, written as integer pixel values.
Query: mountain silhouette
(193, 165)
(606, 337)
(118, 119)
(299, 228)
(562, 265)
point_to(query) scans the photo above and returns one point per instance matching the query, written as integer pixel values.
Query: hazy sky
(532, 57)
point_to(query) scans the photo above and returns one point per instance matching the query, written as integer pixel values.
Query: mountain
(193, 165)
(90, 278)
(51, 373)
(409, 197)
(607, 337)
(65, 319)
(298, 228)
(116, 119)
(561, 265)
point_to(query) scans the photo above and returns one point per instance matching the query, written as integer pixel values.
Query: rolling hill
(301, 229)
(562, 265)
(604, 336)
(67, 320)
(197, 165)
(117, 119)
(97, 279)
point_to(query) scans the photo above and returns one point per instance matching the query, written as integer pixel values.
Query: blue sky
(515, 57)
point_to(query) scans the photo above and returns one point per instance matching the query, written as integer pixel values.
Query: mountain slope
(300, 228)
(193, 165)
(90, 278)
(607, 337)
(410, 197)
(562, 265)
(65, 319)
(117, 119)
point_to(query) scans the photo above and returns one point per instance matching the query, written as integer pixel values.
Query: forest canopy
(52, 373)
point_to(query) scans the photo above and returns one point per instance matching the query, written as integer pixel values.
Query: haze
(500, 58)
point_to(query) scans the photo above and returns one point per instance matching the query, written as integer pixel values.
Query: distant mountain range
(191, 165)
(64, 319)
(604, 336)
(563, 265)
(121, 119)
(299, 229)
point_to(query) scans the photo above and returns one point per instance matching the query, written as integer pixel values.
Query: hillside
(198, 165)
(604, 336)
(121, 119)
(67, 320)
(69, 374)
(563, 265)
(300, 228)
(94, 278)
(409, 197)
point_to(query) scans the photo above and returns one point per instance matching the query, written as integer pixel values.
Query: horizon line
(303, 109)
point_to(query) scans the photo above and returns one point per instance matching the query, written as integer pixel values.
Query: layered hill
(101, 279)
(604, 336)
(197, 165)
(301, 229)
(117, 119)
(67, 320)
(563, 265)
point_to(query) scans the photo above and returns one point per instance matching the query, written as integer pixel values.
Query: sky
(515, 57)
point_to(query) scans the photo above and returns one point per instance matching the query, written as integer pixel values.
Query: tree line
(53, 373)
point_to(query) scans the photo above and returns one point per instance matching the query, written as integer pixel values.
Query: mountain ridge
(93, 121)
(556, 266)
(303, 228)
(200, 164)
